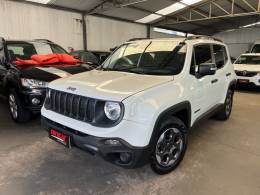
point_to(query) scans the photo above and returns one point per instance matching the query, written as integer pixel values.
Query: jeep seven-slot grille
(246, 73)
(70, 105)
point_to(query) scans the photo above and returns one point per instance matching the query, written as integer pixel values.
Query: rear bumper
(134, 156)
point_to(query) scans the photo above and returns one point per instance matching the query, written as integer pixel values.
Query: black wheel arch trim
(169, 112)
(233, 84)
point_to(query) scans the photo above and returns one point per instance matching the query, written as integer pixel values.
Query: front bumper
(255, 81)
(26, 98)
(132, 156)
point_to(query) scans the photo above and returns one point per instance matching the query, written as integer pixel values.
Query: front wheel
(225, 112)
(18, 113)
(170, 146)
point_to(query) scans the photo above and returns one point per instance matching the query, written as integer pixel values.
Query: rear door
(222, 75)
(3, 69)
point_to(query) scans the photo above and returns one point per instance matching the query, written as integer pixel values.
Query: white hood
(247, 67)
(108, 85)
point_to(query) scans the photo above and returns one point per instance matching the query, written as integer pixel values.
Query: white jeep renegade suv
(140, 104)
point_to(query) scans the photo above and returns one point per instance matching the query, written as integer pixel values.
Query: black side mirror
(207, 69)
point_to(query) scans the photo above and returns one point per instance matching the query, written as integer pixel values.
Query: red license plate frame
(60, 137)
(243, 80)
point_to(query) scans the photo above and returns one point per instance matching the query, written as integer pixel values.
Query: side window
(220, 55)
(201, 54)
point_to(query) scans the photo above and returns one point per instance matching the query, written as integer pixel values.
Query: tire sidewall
(23, 115)
(12, 92)
(171, 123)
(229, 93)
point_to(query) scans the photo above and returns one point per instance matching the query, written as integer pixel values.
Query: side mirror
(207, 69)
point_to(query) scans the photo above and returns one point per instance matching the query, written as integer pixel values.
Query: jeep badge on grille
(71, 88)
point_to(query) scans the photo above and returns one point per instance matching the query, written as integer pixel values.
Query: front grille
(70, 105)
(246, 73)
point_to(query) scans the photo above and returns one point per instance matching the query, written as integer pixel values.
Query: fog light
(35, 101)
(125, 157)
(113, 142)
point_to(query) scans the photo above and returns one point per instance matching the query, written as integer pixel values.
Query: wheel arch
(232, 85)
(181, 110)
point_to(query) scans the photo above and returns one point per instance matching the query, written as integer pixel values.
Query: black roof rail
(136, 39)
(43, 40)
(202, 37)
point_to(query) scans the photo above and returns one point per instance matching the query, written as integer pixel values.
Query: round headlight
(112, 110)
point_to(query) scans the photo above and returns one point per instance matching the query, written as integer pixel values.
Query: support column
(84, 30)
(148, 31)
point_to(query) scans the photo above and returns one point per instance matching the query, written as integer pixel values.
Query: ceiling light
(40, 1)
(170, 9)
(253, 24)
(149, 18)
(170, 32)
(190, 2)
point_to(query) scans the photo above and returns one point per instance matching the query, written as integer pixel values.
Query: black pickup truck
(25, 86)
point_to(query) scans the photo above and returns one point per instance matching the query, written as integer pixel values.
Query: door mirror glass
(207, 69)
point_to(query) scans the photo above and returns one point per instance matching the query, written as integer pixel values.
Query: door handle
(214, 81)
(228, 74)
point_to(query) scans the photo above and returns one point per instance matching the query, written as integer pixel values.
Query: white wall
(240, 40)
(24, 21)
(103, 33)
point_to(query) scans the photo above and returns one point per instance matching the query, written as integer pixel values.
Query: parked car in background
(24, 74)
(255, 47)
(101, 55)
(140, 105)
(247, 68)
(86, 57)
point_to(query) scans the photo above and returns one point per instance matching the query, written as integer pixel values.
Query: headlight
(112, 110)
(31, 83)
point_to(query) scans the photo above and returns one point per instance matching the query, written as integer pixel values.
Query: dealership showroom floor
(106, 97)
(222, 158)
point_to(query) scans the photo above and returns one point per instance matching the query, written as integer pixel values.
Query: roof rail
(202, 37)
(136, 39)
(43, 40)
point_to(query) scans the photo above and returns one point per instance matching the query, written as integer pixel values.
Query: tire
(169, 147)
(225, 112)
(18, 113)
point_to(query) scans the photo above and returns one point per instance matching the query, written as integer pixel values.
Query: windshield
(248, 60)
(24, 50)
(256, 49)
(86, 57)
(148, 57)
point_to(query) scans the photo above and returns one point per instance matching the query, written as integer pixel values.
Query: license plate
(60, 138)
(243, 81)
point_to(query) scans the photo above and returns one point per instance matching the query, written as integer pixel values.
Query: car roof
(29, 41)
(257, 42)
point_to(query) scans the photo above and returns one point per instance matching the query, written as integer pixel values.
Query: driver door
(204, 94)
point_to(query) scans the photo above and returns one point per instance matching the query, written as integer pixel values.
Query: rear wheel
(225, 112)
(170, 146)
(18, 113)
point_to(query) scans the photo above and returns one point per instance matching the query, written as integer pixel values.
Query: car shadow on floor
(248, 89)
